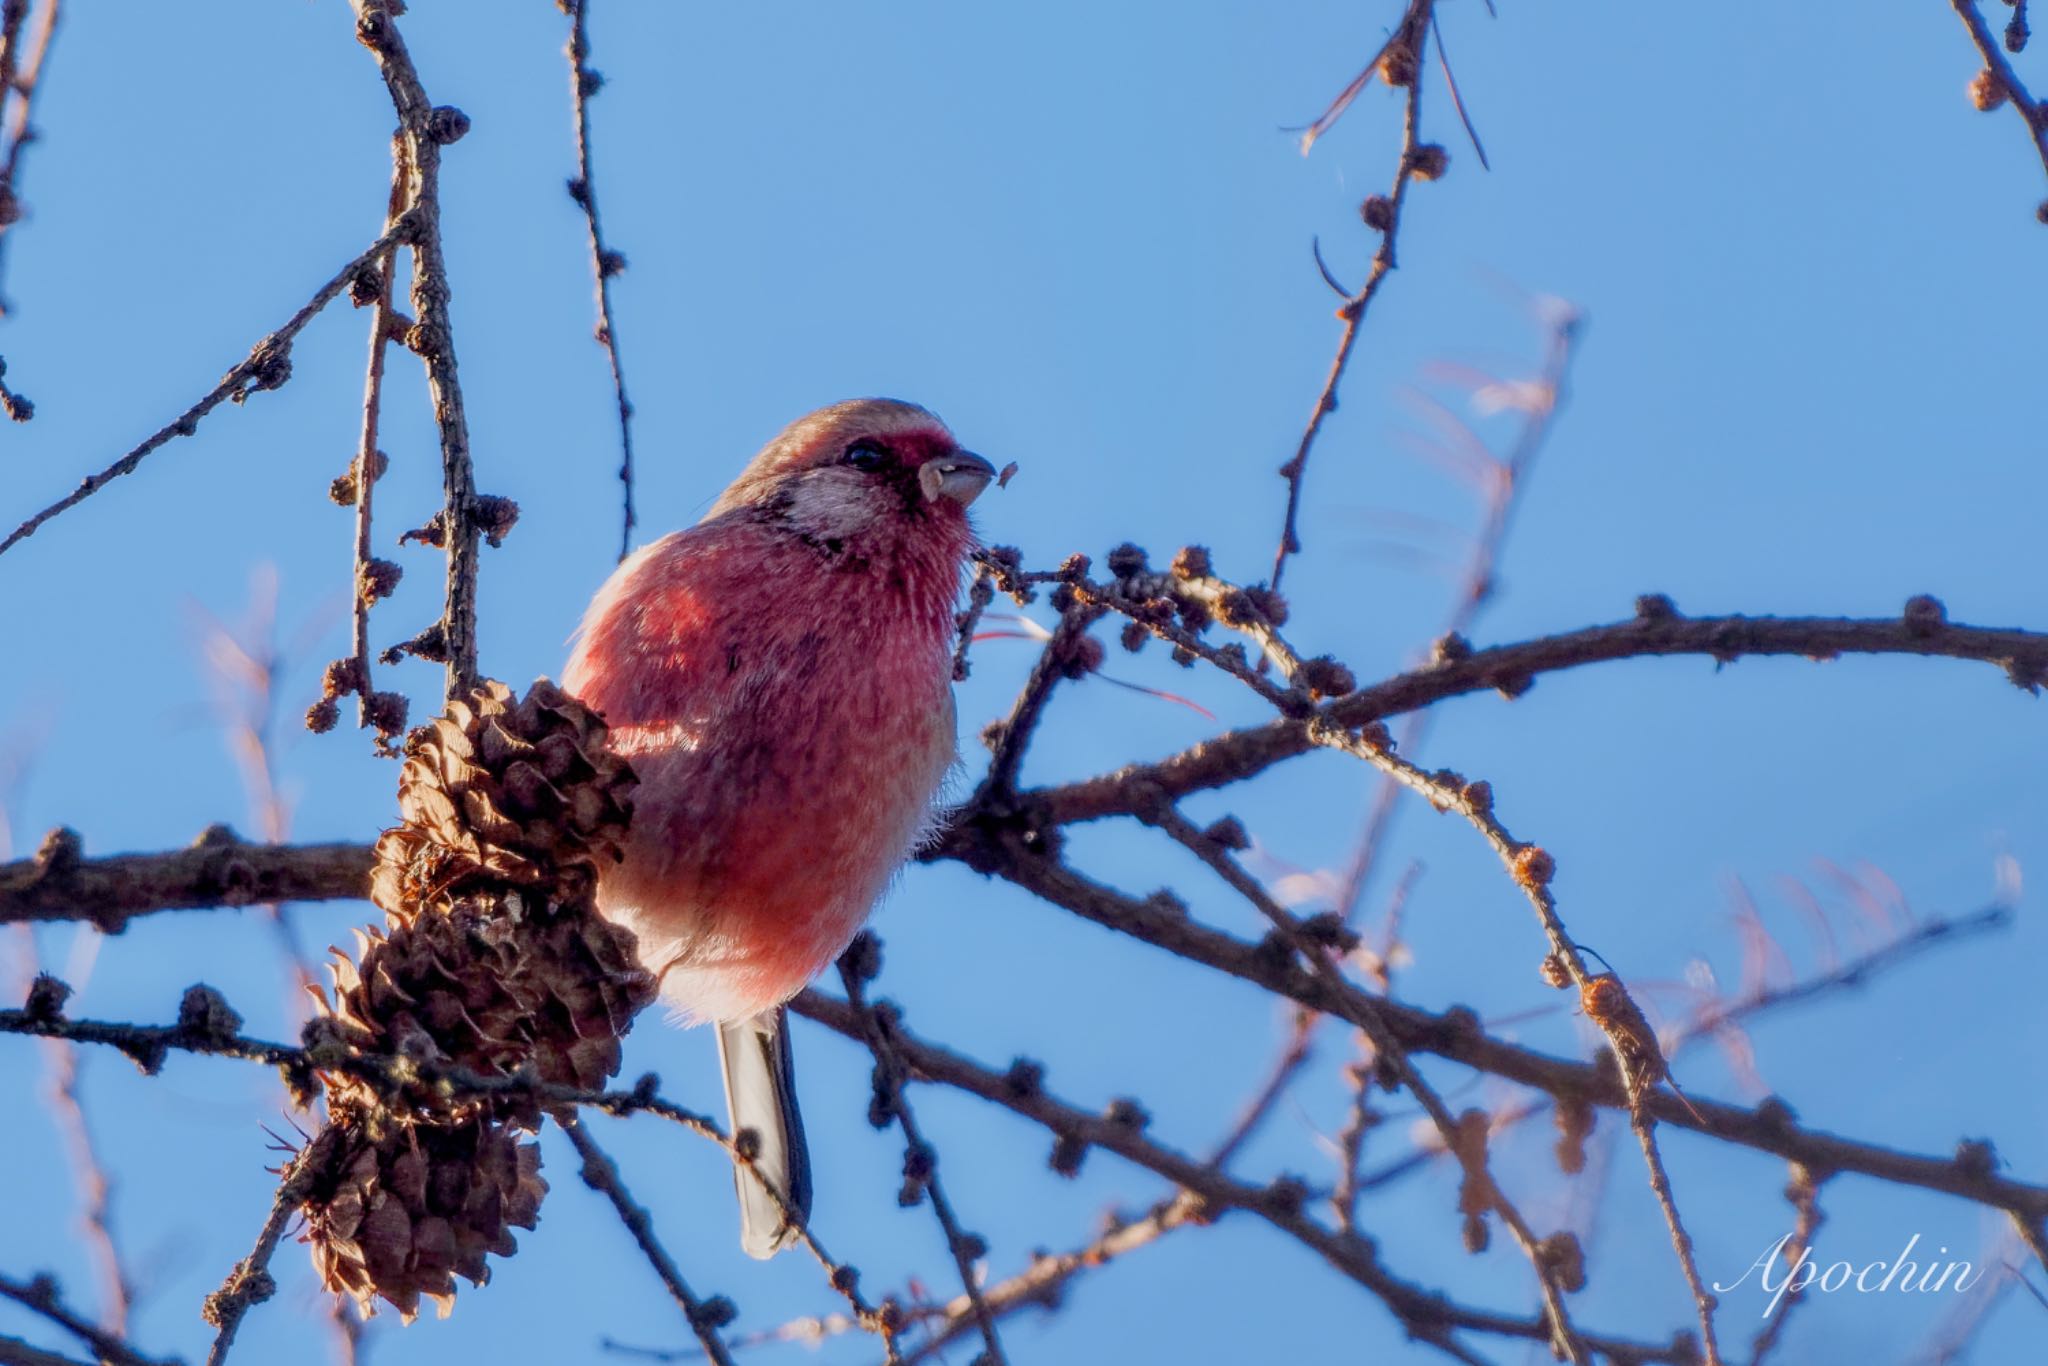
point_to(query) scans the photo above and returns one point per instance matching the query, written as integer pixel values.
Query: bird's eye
(864, 455)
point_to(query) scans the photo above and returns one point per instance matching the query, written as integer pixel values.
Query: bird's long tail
(760, 1095)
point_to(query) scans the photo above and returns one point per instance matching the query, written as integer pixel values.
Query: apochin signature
(1899, 1274)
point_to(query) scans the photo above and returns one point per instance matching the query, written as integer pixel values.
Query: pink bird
(780, 678)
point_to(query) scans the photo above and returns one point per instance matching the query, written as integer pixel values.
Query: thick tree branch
(219, 870)
(110, 891)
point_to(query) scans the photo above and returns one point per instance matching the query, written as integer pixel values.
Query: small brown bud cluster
(1377, 212)
(1191, 562)
(1575, 1117)
(1397, 65)
(366, 287)
(46, 998)
(446, 124)
(377, 580)
(342, 492)
(1429, 162)
(1655, 607)
(268, 367)
(1924, 616)
(1125, 1113)
(1987, 92)
(205, 1016)
(1228, 833)
(1068, 1152)
(1976, 1157)
(1476, 1192)
(1025, 1079)
(1325, 677)
(1534, 867)
(1127, 560)
(495, 517)
(1563, 1260)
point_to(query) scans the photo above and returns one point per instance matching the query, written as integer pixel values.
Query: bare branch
(601, 1174)
(604, 261)
(1427, 1316)
(1998, 83)
(1399, 63)
(426, 128)
(21, 73)
(267, 366)
(251, 1283)
(878, 1030)
(39, 1296)
(1513, 669)
(59, 883)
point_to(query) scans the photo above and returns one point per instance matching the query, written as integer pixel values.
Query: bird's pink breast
(789, 714)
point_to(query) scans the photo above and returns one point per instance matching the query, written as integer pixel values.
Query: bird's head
(867, 472)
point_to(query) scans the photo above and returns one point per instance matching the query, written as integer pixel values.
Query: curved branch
(1511, 669)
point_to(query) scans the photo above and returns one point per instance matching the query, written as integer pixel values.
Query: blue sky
(1809, 383)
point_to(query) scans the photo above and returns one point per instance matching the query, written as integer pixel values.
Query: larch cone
(492, 959)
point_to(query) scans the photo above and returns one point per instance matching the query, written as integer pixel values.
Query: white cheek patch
(825, 505)
(930, 480)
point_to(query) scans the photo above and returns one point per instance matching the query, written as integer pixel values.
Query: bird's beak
(960, 476)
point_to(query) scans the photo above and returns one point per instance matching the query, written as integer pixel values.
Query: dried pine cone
(501, 792)
(401, 1214)
(493, 959)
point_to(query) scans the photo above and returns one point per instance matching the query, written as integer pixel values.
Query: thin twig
(2007, 84)
(369, 461)
(604, 261)
(39, 1296)
(1481, 578)
(16, 406)
(94, 1185)
(15, 1352)
(426, 128)
(1428, 1316)
(920, 1158)
(267, 366)
(251, 1283)
(1012, 735)
(1531, 867)
(601, 1174)
(1046, 1279)
(20, 79)
(1388, 1050)
(1443, 60)
(1403, 52)
(1803, 1190)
